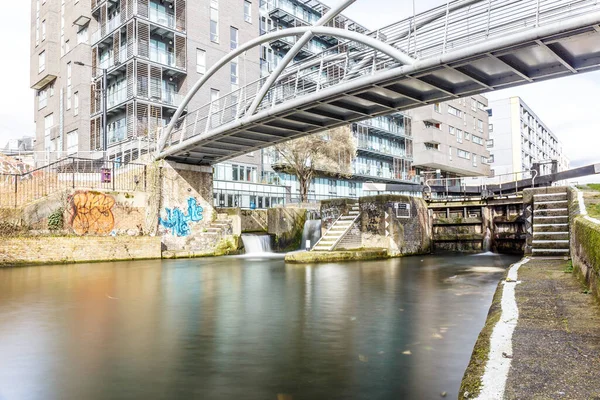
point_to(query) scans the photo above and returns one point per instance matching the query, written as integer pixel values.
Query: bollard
(307, 245)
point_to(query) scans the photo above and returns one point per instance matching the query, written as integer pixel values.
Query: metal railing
(454, 26)
(459, 184)
(17, 190)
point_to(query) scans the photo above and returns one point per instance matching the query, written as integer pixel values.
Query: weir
(257, 244)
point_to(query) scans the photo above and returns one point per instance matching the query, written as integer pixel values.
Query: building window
(68, 86)
(489, 111)
(332, 186)
(214, 25)
(491, 128)
(67, 46)
(459, 136)
(72, 142)
(477, 140)
(82, 35)
(480, 125)
(455, 111)
(451, 130)
(200, 61)
(450, 153)
(214, 95)
(248, 11)
(43, 30)
(473, 104)
(490, 160)
(42, 96)
(474, 160)
(42, 61)
(489, 144)
(233, 38)
(463, 154)
(76, 103)
(48, 125)
(437, 107)
(234, 73)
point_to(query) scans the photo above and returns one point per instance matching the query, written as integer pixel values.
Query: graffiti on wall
(177, 221)
(91, 213)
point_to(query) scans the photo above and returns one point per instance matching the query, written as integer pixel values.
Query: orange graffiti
(92, 213)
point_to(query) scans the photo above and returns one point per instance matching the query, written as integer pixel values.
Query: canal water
(243, 328)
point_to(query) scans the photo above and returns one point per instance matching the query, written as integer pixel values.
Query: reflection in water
(232, 328)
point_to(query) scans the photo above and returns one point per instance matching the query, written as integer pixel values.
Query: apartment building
(451, 138)
(519, 138)
(384, 144)
(143, 55)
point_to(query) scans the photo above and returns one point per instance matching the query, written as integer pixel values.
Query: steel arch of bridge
(429, 58)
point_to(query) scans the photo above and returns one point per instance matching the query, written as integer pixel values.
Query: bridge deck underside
(545, 58)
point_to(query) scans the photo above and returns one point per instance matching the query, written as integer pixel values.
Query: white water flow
(487, 241)
(257, 244)
(311, 232)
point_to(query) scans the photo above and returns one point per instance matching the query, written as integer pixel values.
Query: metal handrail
(441, 30)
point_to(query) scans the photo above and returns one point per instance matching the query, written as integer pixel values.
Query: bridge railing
(447, 28)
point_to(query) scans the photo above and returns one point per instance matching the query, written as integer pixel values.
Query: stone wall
(382, 225)
(385, 224)
(70, 249)
(286, 225)
(185, 207)
(584, 243)
(246, 220)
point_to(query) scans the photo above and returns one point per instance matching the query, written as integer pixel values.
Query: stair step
(347, 218)
(551, 236)
(551, 205)
(552, 211)
(550, 219)
(550, 244)
(550, 195)
(550, 251)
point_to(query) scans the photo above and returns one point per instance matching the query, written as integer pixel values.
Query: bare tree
(330, 152)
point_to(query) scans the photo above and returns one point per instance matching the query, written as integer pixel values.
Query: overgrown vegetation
(56, 220)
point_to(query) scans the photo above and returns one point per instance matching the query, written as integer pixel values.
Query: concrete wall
(380, 225)
(71, 249)
(286, 225)
(584, 244)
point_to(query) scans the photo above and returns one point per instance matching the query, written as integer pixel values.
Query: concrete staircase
(337, 231)
(550, 225)
(213, 233)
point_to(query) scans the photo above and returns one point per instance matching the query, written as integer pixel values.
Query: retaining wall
(70, 249)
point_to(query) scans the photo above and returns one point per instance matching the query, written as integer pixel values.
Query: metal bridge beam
(322, 30)
(289, 57)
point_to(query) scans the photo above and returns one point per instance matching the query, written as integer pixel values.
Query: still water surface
(234, 328)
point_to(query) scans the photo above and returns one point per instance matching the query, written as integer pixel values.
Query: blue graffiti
(178, 222)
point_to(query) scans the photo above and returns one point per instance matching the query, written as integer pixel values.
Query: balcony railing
(162, 57)
(109, 27)
(116, 97)
(172, 98)
(162, 18)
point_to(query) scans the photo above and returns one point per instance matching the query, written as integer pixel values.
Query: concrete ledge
(18, 251)
(333, 256)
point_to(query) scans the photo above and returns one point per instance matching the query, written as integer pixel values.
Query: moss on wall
(585, 246)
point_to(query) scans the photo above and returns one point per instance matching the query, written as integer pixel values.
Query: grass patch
(568, 268)
(594, 186)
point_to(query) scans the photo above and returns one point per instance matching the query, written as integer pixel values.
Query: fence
(17, 190)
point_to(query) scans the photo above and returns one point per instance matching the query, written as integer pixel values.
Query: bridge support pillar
(183, 200)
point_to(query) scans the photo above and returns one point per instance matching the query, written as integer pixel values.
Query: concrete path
(556, 345)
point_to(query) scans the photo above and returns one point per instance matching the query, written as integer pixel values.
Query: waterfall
(487, 241)
(256, 244)
(312, 232)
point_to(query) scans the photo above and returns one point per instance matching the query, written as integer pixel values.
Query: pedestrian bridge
(460, 49)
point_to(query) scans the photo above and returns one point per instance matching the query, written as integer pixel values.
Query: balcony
(307, 50)
(162, 57)
(171, 98)
(162, 18)
(108, 28)
(380, 151)
(428, 114)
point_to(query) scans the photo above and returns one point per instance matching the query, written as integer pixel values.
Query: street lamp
(104, 105)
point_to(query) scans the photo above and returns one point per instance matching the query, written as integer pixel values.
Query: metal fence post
(113, 175)
(16, 189)
(145, 181)
(73, 169)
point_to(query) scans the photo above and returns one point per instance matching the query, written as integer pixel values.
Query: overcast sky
(569, 106)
